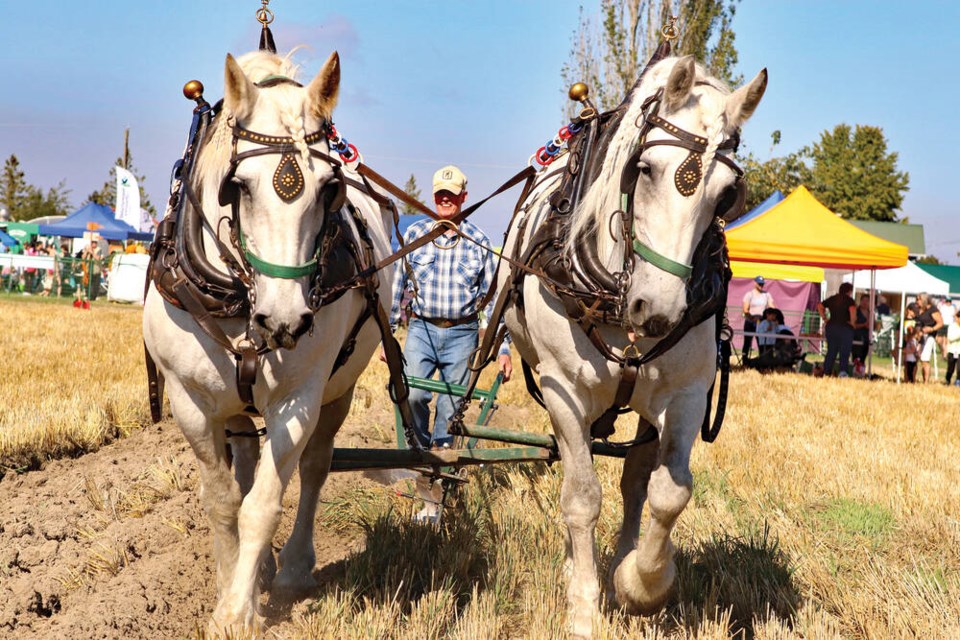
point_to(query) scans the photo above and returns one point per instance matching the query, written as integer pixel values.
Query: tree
(855, 176)
(609, 56)
(13, 188)
(107, 195)
(782, 174)
(38, 204)
(412, 190)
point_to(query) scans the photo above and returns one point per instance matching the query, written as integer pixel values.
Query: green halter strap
(660, 261)
(276, 270)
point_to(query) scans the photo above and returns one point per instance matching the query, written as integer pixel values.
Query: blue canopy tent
(773, 199)
(7, 239)
(94, 217)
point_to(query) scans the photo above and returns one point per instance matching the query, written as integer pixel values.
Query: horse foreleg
(580, 497)
(637, 467)
(287, 434)
(644, 578)
(219, 492)
(298, 556)
(245, 450)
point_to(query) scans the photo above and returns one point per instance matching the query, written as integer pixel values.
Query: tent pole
(870, 320)
(903, 307)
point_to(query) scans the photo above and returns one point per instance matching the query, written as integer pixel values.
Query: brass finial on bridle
(264, 15)
(669, 30)
(193, 90)
(579, 92)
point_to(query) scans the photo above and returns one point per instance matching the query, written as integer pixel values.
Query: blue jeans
(839, 338)
(430, 349)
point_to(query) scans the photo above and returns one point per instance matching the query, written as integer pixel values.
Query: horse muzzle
(646, 322)
(280, 334)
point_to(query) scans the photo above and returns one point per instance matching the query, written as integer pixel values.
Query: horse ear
(742, 102)
(680, 82)
(325, 88)
(239, 94)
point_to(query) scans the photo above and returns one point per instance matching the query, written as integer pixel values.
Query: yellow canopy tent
(801, 231)
(775, 271)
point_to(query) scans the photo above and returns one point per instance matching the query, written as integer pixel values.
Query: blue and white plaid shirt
(450, 282)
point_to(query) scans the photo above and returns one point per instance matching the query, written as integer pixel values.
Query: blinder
(733, 201)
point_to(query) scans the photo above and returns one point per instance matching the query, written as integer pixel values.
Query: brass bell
(193, 90)
(579, 92)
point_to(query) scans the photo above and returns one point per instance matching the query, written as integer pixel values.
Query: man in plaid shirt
(450, 277)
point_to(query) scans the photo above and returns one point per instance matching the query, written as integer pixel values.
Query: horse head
(268, 169)
(669, 164)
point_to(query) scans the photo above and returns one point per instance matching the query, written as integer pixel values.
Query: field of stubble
(827, 508)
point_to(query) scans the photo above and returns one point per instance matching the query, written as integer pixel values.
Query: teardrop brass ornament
(288, 178)
(689, 174)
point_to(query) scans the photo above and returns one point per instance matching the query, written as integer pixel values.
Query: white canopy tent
(907, 279)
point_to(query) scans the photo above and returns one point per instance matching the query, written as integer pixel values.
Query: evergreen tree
(412, 190)
(13, 188)
(53, 202)
(855, 176)
(609, 56)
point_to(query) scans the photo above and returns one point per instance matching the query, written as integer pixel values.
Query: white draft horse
(579, 384)
(302, 405)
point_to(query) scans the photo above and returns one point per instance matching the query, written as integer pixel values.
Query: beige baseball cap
(449, 178)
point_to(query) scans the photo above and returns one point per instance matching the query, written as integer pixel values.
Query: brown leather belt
(443, 323)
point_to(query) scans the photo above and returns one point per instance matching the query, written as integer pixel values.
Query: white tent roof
(906, 279)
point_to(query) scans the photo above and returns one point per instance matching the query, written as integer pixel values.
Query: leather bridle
(288, 183)
(687, 178)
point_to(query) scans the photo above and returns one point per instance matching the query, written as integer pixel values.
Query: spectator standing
(947, 312)
(930, 322)
(838, 328)
(861, 330)
(754, 302)
(911, 351)
(953, 348)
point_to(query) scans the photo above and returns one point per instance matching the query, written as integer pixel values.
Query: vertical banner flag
(128, 199)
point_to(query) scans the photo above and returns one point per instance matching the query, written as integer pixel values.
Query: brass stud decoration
(288, 178)
(688, 174)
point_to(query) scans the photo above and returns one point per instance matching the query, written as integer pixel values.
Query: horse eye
(644, 168)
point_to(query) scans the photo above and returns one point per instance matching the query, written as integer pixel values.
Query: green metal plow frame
(538, 447)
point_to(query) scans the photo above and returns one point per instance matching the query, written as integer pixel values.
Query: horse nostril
(260, 320)
(306, 322)
(636, 306)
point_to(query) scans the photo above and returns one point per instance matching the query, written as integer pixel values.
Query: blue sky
(478, 84)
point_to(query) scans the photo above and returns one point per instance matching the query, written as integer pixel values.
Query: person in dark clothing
(838, 328)
(861, 330)
(930, 321)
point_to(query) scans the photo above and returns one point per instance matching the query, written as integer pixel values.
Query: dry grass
(72, 380)
(826, 509)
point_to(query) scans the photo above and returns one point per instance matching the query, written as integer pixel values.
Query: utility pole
(126, 148)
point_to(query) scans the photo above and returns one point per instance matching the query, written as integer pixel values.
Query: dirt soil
(106, 546)
(95, 547)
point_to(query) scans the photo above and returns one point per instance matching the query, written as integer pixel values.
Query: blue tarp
(7, 239)
(772, 200)
(80, 222)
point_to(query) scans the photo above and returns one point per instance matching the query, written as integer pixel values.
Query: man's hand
(506, 366)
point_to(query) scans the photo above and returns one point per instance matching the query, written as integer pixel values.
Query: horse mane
(214, 154)
(603, 196)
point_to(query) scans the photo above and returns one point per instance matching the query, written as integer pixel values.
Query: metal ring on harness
(450, 225)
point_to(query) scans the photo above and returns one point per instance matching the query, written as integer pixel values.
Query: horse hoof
(640, 594)
(234, 622)
(294, 582)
